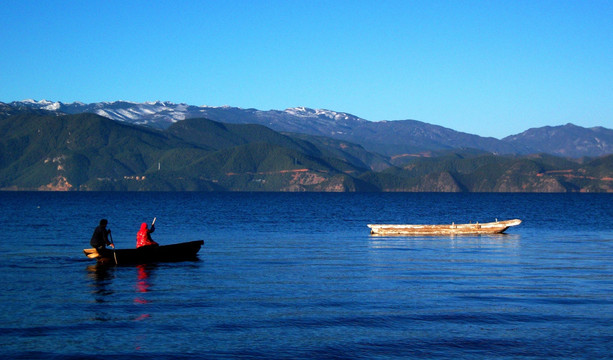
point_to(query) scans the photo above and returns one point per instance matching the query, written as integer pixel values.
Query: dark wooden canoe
(148, 254)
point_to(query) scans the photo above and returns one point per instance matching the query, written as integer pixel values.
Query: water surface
(299, 276)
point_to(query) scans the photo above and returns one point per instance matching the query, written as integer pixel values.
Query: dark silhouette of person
(100, 239)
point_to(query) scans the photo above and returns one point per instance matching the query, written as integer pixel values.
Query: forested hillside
(91, 152)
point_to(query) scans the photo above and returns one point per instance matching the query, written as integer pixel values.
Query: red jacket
(143, 237)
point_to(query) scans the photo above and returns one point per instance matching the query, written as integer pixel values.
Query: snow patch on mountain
(312, 113)
(102, 113)
(53, 106)
(42, 104)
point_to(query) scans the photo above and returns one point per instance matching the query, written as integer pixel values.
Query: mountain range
(45, 149)
(398, 139)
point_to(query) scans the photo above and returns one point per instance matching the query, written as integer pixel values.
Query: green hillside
(217, 136)
(491, 173)
(40, 150)
(90, 152)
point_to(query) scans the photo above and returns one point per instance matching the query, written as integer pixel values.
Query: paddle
(153, 222)
(113, 246)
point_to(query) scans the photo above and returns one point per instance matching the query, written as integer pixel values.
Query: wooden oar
(112, 243)
(114, 253)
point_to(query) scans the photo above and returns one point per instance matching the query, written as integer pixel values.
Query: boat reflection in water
(101, 283)
(142, 287)
(102, 277)
(505, 241)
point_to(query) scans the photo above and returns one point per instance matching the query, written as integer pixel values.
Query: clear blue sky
(492, 68)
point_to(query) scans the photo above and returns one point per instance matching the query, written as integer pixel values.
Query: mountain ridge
(89, 152)
(394, 138)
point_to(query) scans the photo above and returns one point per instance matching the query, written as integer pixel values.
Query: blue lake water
(287, 275)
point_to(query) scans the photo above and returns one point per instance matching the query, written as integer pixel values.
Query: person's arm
(151, 241)
(106, 237)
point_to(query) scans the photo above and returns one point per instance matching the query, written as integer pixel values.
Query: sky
(491, 68)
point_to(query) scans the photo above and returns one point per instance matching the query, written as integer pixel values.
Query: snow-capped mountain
(156, 114)
(41, 105)
(161, 114)
(393, 138)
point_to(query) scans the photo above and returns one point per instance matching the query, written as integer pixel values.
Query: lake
(297, 275)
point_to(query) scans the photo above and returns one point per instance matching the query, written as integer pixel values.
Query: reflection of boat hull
(453, 229)
(147, 254)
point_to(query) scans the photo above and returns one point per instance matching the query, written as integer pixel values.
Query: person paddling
(100, 238)
(143, 237)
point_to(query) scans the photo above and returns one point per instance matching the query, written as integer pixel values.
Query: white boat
(496, 227)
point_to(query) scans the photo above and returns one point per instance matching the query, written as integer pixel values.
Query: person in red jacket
(143, 237)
